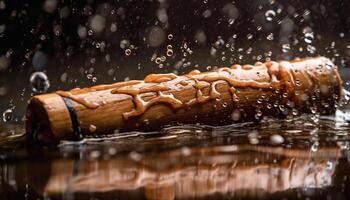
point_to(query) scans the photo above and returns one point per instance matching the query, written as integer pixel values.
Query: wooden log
(222, 96)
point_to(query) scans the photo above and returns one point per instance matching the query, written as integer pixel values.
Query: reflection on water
(297, 158)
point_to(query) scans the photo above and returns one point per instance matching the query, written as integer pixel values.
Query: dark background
(205, 34)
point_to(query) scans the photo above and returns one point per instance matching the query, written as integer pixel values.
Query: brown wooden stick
(226, 95)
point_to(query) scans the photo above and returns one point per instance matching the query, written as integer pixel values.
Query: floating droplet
(39, 82)
(329, 165)
(113, 27)
(314, 147)
(270, 14)
(158, 60)
(269, 36)
(92, 128)
(4, 62)
(169, 52)
(7, 115)
(236, 115)
(40, 60)
(253, 137)
(2, 5)
(311, 49)
(309, 37)
(155, 36)
(94, 154)
(127, 52)
(82, 32)
(97, 23)
(249, 36)
(185, 151)
(124, 44)
(50, 6)
(285, 48)
(276, 139)
(135, 156)
(64, 77)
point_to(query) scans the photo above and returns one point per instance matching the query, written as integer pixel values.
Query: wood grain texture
(315, 84)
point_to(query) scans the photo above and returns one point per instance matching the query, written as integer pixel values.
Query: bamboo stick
(222, 96)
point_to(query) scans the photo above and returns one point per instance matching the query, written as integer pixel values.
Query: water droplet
(269, 36)
(185, 151)
(309, 37)
(124, 43)
(2, 5)
(253, 137)
(258, 114)
(270, 14)
(7, 115)
(206, 13)
(94, 154)
(50, 6)
(64, 77)
(249, 36)
(329, 165)
(4, 63)
(276, 139)
(213, 51)
(282, 108)
(313, 110)
(236, 115)
(97, 23)
(169, 52)
(170, 36)
(82, 32)
(295, 112)
(40, 60)
(155, 36)
(113, 27)
(231, 21)
(92, 128)
(269, 106)
(314, 147)
(311, 49)
(112, 151)
(158, 60)
(285, 48)
(127, 52)
(39, 82)
(135, 156)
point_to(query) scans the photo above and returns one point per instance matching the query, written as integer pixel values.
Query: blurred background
(62, 44)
